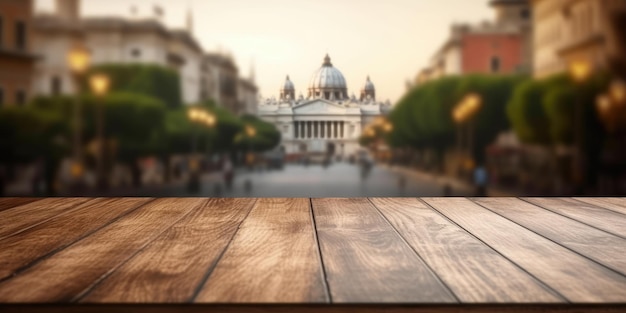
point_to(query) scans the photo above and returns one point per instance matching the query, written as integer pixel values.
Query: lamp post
(250, 133)
(579, 72)
(199, 117)
(78, 59)
(462, 115)
(100, 86)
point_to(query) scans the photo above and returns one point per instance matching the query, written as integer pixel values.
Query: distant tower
(68, 10)
(368, 90)
(512, 12)
(190, 21)
(288, 90)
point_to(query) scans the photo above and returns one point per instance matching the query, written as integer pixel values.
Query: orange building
(16, 59)
(491, 53)
(501, 46)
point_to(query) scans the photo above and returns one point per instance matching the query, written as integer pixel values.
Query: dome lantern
(288, 91)
(328, 82)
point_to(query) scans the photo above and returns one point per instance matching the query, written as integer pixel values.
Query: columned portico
(327, 121)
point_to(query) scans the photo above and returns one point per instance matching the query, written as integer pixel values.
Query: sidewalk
(455, 183)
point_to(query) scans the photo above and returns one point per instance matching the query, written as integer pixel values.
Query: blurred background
(332, 98)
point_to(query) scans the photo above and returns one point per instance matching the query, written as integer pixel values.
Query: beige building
(569, 31)
(115, 39)
(111, 40)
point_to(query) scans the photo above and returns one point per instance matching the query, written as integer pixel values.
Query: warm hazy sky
(388, 39)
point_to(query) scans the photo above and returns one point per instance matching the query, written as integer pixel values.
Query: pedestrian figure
(228, 173)
(217, 190)
(247, 186)
(480, 181)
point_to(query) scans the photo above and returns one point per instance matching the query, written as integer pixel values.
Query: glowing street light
(100, 86)
(250, 131)
(78, 59)
(603, 104)
(580, 70)
(618, 91)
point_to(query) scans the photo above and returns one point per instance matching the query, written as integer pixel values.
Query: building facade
(327, 120)
(111, 40)
(16, 57)
(576, 31)
(502, 46)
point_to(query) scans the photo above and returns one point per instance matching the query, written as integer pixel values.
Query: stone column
(343, 131)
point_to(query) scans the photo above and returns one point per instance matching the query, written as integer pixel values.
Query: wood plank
(613, 204)
(7, 203)
(174, 265)
(366, 260)
(66, 274)
(572, 275)
(593, 243)
(273, 258)
(315, 308)
(607, 220)
(19, 250)
(473, 271)
(28, 215)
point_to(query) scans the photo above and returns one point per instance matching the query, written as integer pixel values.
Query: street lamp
(618, 91)
(579, 71)
(78, 59)
(462, 115)
(201, 117)
(100, 86)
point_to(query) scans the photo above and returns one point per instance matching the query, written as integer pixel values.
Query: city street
(337, 180)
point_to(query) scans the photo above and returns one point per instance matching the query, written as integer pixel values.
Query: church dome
(327, 77)
(369, 86)
(288, 84)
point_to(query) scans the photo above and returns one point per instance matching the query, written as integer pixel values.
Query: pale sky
(390, 40)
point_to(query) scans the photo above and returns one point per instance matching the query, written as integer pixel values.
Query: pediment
(319, 106)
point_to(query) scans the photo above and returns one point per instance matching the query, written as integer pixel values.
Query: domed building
(327, 120)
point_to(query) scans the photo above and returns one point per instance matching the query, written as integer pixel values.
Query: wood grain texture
(7, 203)
(613, 204)
(25, 247)
(66, 274)
(607, 220)
(314, 308)
(272, 258)
(474, 272)
(24, 216)
(595, 244)
(173, 265)
(366, 260)
(572, 275)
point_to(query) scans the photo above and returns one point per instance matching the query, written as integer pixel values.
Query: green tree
(146, 79)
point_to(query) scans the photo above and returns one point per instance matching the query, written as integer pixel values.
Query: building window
(56, 86)
(495, 64)
(20, 36)
(136, 53)
(337, 96)
(326, 95)
(20, 98)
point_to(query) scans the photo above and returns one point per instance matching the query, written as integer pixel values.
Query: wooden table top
(313, 255)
